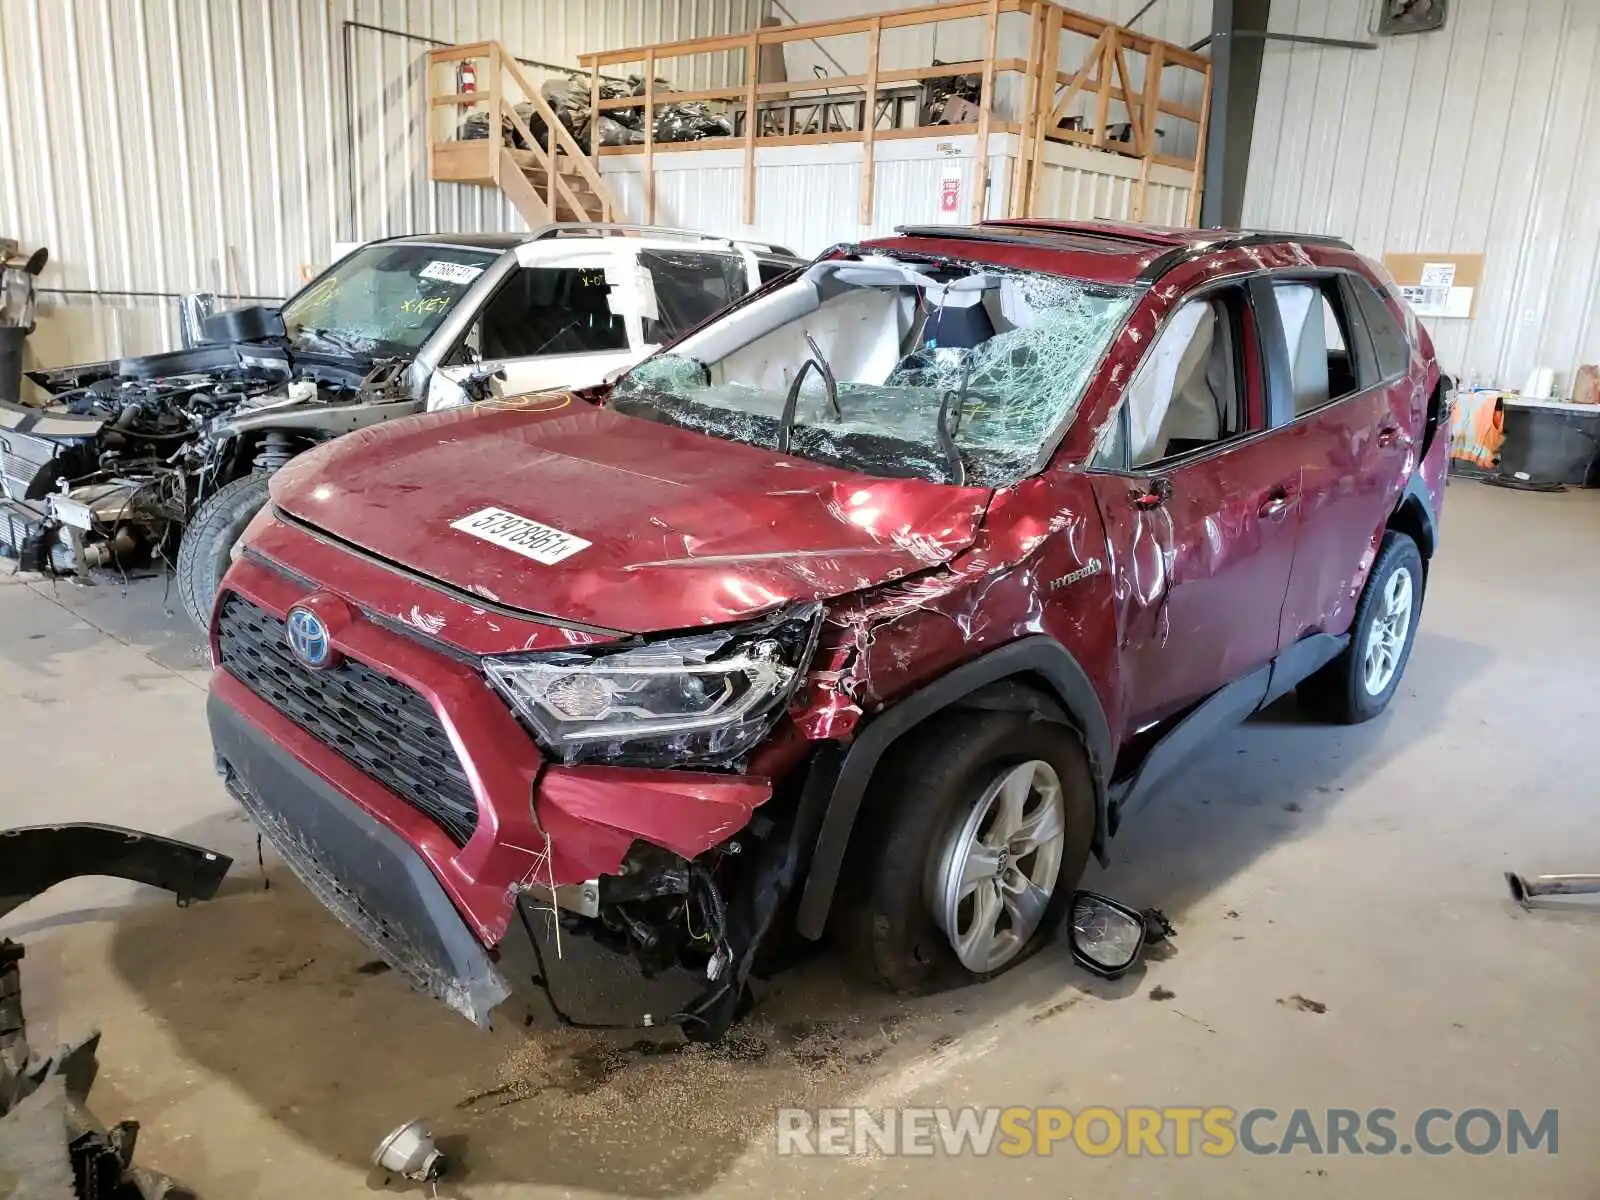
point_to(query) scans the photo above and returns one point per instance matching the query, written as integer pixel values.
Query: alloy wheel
(996, 873)
(1386, 636)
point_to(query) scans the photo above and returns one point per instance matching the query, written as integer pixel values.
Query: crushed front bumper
(369, 877)
(362, 871)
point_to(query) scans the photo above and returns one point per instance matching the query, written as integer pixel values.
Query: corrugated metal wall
(808, 197)
(1479, 138)
(162, 146)
(1081, 184)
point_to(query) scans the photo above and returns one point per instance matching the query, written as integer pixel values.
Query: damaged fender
(1040, 656)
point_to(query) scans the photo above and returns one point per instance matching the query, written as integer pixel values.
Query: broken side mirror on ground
(1108, 936)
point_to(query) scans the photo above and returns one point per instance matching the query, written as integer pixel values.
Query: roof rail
(998, 233)
(601, 228)
(1228, 240)
(1122, 231)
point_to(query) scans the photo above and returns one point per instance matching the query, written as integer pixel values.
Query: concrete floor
(1358, 868)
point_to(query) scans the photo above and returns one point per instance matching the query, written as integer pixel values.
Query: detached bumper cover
(35, 858)
(361, 871)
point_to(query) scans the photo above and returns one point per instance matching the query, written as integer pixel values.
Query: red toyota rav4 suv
(874, 604)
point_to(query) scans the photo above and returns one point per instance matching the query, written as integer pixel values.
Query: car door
(1197, 497)
(1348, 430)
(563, 321)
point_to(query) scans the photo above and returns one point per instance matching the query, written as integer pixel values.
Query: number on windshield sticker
(448, 272)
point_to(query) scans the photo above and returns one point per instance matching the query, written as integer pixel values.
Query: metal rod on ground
(1524, 889)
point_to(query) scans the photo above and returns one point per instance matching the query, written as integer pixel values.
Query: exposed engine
(111, 471)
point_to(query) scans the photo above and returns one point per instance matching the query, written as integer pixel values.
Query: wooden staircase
(552, 180)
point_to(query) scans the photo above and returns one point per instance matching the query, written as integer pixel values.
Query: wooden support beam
(1152, 103)
(1135, 112)
(496, 91)
(1198, 179)
(650, 136)
(553, 177)
(465, 50)
(1102, 104)
(869, 122)
(1016, 201)
(819, 86)
(701, 145)
(722, 93)
(594, 135)
(1045, 118)
(752, 54)
(991, 32)
(770, 35)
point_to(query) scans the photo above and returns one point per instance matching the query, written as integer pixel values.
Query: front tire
(975, 834)
(1359, 684)
(207, 546)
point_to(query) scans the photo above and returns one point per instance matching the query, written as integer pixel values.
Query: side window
(1388, 339)
(690, 286)
(1188, 392)
(769, 269)
(551, 310)
(1322, 367)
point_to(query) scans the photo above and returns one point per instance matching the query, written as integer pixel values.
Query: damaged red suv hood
(682, 529)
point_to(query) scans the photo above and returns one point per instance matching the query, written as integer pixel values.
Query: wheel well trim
(1039, 656)
(1416, 495)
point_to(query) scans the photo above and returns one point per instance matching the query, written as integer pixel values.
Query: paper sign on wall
(1438, 274)
(1428, 301)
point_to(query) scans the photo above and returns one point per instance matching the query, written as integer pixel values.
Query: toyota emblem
(309, 640)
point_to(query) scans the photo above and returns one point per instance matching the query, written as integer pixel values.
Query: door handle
(1389, 435)
(1278, 501)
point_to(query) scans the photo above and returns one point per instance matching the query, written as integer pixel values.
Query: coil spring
(273, 452)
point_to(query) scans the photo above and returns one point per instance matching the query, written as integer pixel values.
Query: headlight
(707, 698)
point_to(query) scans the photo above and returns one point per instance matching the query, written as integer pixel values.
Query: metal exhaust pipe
(1523, 890)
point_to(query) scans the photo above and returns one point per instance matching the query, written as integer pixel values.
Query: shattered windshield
(955, 373)
(382, 300)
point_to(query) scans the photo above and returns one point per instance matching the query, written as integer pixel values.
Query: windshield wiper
(791, 401)
(950, 406)
(827, 375)
(346, 343)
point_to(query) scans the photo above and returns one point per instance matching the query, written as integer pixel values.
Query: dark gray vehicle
(172, 452)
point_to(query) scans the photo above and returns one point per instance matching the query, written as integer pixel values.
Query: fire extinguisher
(466, 76)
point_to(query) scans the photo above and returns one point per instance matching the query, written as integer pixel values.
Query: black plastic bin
(1549, 442)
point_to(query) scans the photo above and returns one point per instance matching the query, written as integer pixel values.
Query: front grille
(379, 724)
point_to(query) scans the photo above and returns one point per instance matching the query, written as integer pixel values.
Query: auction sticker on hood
(459, 274)
(520, 535)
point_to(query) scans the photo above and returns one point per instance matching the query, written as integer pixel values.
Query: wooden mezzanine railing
(1102, 79)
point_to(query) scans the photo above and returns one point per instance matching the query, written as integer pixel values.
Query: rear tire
(206, 550)
(1359, 684)
(931, 807)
